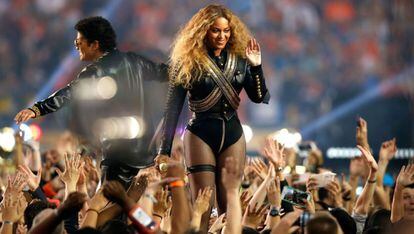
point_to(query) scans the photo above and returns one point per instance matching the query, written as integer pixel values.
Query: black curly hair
(97, 28)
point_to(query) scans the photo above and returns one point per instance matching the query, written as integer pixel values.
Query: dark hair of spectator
(116, 226)
(88, 230)
(32, 210)
(322, 224)
(380, 218)
(345, 221)
(99, 29)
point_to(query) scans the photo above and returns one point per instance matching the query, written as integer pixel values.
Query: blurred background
(326, 62)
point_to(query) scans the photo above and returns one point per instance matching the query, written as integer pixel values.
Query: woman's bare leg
(238, 151)
(197, 152)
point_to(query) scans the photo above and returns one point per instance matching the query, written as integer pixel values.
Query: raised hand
(70, 176)
(21, 229)
(115, 192)
(245, 199)
(254, 215)
(274, 153)
(253, 53)
(24, 115)
(406, 176)
(260, 168)
(15, 186)
(388, 150)
(163, 203)
(362, 133)
(202, 202)
(13, 207)
(368, 159)
(334, 190)
(218, 224)
(33, 180)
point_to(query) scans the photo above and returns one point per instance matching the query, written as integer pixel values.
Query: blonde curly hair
(189, 49)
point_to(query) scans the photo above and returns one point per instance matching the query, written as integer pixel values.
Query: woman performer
(213, 58)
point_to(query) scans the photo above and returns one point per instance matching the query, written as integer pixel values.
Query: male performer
(96, 42)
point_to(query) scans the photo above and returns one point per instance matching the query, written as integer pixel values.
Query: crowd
(59, 191)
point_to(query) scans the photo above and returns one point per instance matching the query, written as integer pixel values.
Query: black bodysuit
(215, 119)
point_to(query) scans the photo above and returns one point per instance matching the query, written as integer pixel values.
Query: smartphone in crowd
(323, 179)
(143, 221)
(295, 196)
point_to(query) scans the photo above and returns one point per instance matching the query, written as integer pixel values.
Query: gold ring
(163, 167)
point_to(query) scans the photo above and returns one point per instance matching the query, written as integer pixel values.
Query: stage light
(27, 132)
(36, 131)
(248, 133)
(128, 127)
(287, 138)
(7, 140)
(106, 88)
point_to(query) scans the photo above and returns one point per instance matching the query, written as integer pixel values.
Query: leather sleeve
(63, 96)
(255, 85)
(175, 100)
(151, 70)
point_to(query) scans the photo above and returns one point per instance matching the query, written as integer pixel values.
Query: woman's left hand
(253, 54)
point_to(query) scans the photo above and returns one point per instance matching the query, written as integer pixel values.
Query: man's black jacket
(130, 72)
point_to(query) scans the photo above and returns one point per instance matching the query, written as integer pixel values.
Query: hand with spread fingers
(15, 186)
(253, 53)
(162, 204)
(274, 153)
(218, 224)
(254, 215)
(71, 174)
(260, 168)
(201, 205)
(406, 176)
(13, 207)
(33, 180)
(245, 198)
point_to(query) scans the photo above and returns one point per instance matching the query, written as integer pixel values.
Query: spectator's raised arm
(404, 179)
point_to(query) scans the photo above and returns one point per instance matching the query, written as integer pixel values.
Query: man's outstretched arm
(55, 101)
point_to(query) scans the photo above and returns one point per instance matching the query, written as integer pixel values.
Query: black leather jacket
(131, 72)
(244, 76)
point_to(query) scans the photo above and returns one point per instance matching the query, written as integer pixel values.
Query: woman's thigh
(237, 151)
